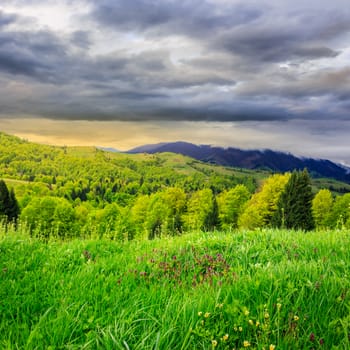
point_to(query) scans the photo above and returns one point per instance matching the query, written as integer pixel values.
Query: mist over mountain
(251, 159)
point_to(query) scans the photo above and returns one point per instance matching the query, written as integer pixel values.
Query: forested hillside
(85, 191)
(252, 159)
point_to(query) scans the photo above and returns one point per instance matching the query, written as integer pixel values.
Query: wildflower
(272, 347)
(220, 306)
(266, 315)
(240, 329)
(200, 313)
(225, 337)
(246, 312)
(296, 318)
(246, 344)
(257, 323)
(279, 305)
(312, 337)
(207, 314)
(321, 341)
(214, 343)
(251, 322)
(235, 328)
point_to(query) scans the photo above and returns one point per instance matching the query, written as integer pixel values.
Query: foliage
(9, 207)
(50, 216)
(322, 206)
(268, 289)
(340, 214)
(294, 207)
(86, 192)
(260, 209)
(201, 211)
(231, 204)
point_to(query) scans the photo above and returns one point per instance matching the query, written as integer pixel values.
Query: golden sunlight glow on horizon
(124, 136)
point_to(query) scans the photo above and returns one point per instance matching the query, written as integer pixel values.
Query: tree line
(282, 201)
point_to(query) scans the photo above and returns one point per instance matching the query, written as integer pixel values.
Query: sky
(121, 73)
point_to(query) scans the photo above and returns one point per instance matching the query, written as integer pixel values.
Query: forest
(71, 192)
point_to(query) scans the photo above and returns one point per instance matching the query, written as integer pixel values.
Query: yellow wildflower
(240, 329)
(266, 315)
(272, 347)
(251, 322)
(279, 305)
(296, 318)
(246, 312)
(207, 314)
(246, 344)
(200, 313)
(225, 337)
(214, 343)
(257, 323)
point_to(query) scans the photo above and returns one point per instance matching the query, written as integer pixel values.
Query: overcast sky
(121, 73)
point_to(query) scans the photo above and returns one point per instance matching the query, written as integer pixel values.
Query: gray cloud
(244, 62)
(193, 18)
(6, 19)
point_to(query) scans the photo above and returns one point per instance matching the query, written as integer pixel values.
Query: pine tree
(4, 198)
(8, 203)
(294, 208)
(13, 210)
(212, 219)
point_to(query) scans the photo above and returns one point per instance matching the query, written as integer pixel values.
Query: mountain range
(251, 159)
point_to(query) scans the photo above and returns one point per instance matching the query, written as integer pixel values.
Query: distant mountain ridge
(251, 159)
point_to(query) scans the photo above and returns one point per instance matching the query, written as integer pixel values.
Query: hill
(89, 173)
(251, 159)
(92, 174)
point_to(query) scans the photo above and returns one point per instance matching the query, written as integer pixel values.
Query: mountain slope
(98, 176)
(251, 159)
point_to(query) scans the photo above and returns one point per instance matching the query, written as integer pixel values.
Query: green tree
(4, 198)
(48, 216)
(156, 216)
(9, 207)
(201, 210)
(259, 210)
(64, 220)
(138, 216)
(294, 207)
(231, 204)
(175, 202)
(322, 206)
(340, 215)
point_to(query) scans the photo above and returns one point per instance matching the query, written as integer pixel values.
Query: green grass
(287, 289)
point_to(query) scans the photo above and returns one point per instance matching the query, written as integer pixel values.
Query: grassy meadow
(240, 290)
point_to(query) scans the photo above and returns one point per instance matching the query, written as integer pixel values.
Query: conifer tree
(8, 203)
(294, 208)
(4, 198)
(13, 207)
(212, 219)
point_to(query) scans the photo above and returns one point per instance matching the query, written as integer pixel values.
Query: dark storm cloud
(231, 71)
(159, 17)
(6, 19)
(35, 55)
(239, 28)
(81, 39)
(271, 45)
(21, 65)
